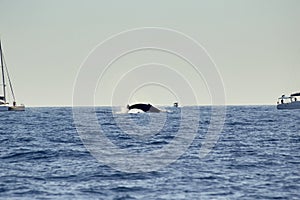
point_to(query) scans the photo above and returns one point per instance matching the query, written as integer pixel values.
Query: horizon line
(202, 105)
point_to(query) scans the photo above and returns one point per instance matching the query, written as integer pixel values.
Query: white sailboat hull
(12, 108)
(291, 105)
(4, 107)
(17, 108)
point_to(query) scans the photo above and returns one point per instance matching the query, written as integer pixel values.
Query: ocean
(43, 155)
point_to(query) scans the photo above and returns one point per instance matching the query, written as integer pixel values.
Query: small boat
(4, 104)
(289, 102)
(141, 107)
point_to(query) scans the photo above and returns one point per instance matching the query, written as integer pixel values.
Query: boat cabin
(289, 102)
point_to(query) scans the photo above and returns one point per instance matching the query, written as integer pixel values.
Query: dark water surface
(257, 157)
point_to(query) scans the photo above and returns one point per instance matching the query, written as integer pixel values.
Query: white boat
(4, 104)
(289, 102)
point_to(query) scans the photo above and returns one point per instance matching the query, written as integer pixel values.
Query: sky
(255, 45)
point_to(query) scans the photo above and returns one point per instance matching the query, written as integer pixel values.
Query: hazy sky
(255, 44)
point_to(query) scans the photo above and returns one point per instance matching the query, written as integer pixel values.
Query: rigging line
(2, 69)
(10, 85)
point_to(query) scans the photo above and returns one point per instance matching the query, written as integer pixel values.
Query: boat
(4, 104)
(142, 107)
(289, 102)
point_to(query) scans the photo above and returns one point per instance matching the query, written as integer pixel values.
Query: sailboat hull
(289, 106)
(12, 108)
(16, 108)
(4, 108)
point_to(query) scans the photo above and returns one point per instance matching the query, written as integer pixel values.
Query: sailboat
(4, 104)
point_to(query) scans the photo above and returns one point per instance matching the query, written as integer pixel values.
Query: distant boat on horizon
(4, 104)
(293, 102)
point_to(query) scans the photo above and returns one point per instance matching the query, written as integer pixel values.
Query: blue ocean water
(256, 157)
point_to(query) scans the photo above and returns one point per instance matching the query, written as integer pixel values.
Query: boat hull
(16, 108)
(12, 108)
(4, 108)
(289, 106)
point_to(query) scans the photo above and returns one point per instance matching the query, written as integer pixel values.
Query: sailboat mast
(2, 68)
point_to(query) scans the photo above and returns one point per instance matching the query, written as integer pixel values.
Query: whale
(143, 107)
